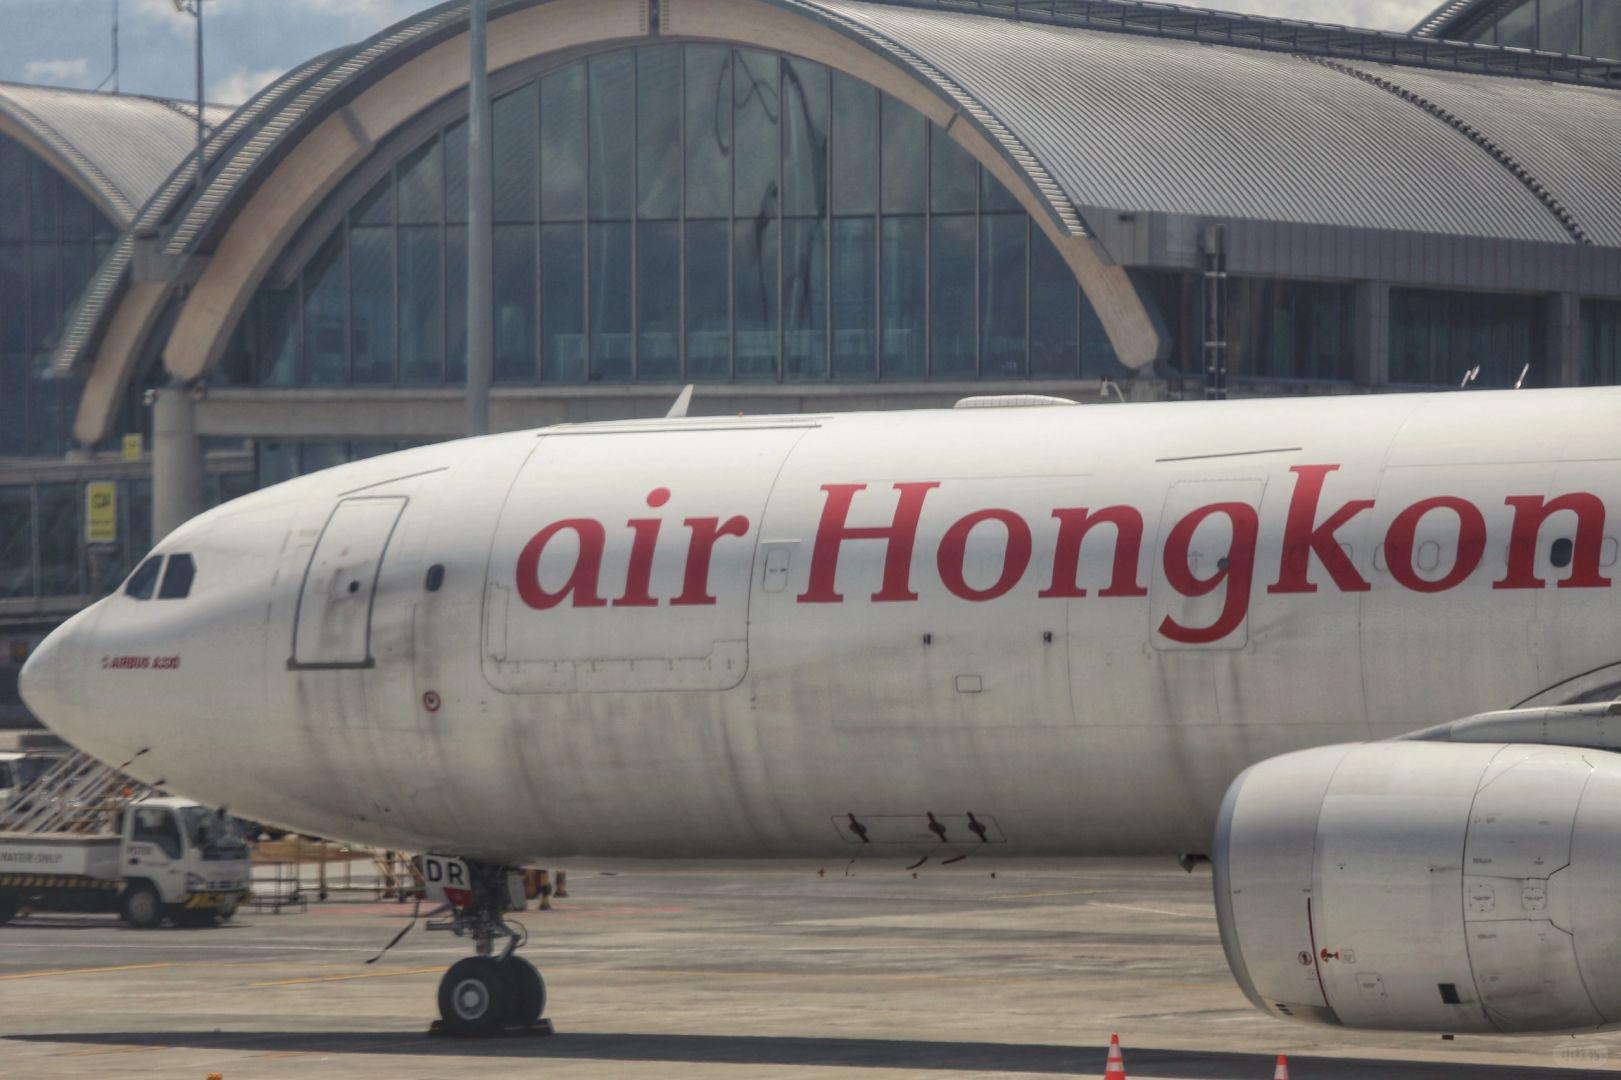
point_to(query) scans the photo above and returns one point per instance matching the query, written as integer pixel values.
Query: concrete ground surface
(727, 972)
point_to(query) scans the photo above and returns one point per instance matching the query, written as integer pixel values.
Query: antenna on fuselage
(1526, 370)
(1469, 376)
(679, 409)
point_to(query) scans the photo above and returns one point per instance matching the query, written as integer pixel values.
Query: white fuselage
(1057, 630)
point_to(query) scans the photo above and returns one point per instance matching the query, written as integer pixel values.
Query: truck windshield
(218, 837)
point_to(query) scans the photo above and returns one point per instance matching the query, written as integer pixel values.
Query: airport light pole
(480, 311)
(194, 8)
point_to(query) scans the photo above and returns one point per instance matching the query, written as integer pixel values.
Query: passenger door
(332, 626)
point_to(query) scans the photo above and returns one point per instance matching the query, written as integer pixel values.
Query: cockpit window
(177, 579)
(144, 579)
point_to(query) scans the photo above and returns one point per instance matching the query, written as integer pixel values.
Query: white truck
(169, 859)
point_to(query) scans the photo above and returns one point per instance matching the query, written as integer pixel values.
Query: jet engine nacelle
(1426, 886)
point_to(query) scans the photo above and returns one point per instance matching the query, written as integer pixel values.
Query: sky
(249, 42)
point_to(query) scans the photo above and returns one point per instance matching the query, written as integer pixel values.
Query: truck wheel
(227, 909)
(142, 908)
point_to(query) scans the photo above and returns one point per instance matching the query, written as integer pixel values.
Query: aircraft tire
(476, 996)
(141, 906)
(528, 990)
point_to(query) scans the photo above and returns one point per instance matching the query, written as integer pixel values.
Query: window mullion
(681, 360)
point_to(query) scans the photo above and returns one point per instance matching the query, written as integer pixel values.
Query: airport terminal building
(796, 205)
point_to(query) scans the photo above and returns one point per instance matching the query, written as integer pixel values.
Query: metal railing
(76, 795)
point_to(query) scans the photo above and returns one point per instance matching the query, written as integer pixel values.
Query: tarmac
(791, 971)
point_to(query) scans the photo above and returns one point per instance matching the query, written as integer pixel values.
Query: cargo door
(624, 556)
(332, 625)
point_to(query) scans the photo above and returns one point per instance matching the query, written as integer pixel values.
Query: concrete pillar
(177, 461)
(1370, 339)
(1562, 347)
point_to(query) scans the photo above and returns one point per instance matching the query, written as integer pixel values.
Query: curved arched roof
(117, 148)
(1107, 110)
(1148, 124)
(1458, 18)
(1453, 16)
(1108, 120)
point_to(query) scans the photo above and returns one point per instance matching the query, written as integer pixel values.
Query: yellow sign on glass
(133, 446)
(101, 513)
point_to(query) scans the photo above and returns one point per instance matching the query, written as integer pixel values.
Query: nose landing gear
(485, 994)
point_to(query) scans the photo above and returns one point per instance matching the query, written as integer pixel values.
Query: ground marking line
(1050, 892)
(1154, 910)
(81, 971)
(345, 978)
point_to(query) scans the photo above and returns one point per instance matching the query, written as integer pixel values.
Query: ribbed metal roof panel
(132, 143)
(1447, 15)
(1458, 17)
(259, 146)
(1146, 124)
(226, 126)
(1567, 137)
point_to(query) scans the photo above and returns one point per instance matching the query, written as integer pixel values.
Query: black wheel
(528, 990)
(476, 996)
(8, 909)
(227, 909)
(141, 906)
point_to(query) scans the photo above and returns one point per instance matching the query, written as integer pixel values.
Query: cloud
(240, 85)
(57, 71)
(365, 9)
(179, 22)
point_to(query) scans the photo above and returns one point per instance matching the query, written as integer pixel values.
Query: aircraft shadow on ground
(785, 1051)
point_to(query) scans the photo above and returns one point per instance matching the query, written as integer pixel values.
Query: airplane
(1359, 652)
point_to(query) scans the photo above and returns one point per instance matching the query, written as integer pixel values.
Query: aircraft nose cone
(39, 678)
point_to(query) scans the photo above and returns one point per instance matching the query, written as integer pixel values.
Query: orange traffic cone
(1115, 1068)
(1282, 1071)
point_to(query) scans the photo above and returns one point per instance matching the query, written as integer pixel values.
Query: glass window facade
(277, 460)
(42, 546)
(1436, 337)
(684, 213)
(1601, 342)
(51, 240)
(1282, 329)
(1583, 27)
